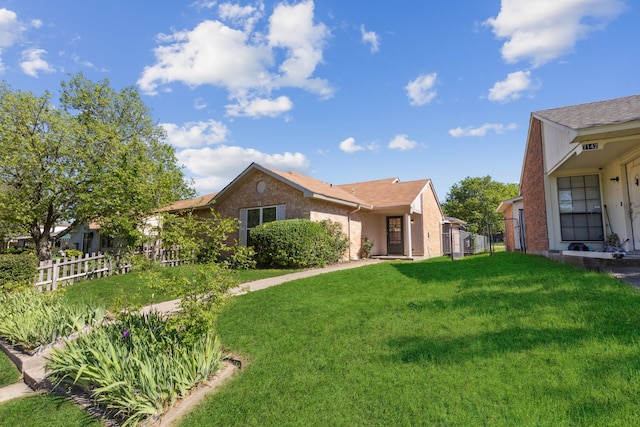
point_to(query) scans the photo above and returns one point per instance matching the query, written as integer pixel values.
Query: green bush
(15, 250)
(298, 243)
(17, 271)
(242, 258)
(69, 253)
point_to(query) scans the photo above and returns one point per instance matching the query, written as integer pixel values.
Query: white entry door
(633, 177)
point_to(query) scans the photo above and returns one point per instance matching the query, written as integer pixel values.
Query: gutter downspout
(349, 229)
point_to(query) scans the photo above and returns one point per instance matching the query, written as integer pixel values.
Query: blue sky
(343, 91)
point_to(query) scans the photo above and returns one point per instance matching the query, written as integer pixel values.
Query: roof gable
(594, 114)
(311, 186)
(382, 193)
(195, 203)
(386, 193)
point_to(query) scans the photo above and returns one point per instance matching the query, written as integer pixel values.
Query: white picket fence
(64, 271)
(166, 257)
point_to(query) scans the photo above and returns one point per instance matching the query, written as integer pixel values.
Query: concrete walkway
(33, 367)
(629, 274)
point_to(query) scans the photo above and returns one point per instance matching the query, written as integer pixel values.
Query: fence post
(54, 275)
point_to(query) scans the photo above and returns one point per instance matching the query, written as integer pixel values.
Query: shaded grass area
(44, 410)
(114, 292)
(131, 290)
(509, 339)
(8, 372)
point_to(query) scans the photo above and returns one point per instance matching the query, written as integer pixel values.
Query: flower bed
(137, 367)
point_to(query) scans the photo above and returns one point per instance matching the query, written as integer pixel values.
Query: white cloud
(32, 62)
(349, 146)
(260, 107)
(214, 168)
(75, 58)
(542, 30)
(200, 104)
(291, 27)
(36, 23)
(420, 90)
(211, 53)
(498, 128)
(195, 134)
(402, 143)
(248, 63)
(11, 28)
(204, 4)
(512, 87)
(371, 38)
(244, 16)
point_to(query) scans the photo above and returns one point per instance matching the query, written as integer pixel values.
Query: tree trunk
(42, 239)
(43, 247)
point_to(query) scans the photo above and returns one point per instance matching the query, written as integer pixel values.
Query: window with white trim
(253, 217)
(580, 208)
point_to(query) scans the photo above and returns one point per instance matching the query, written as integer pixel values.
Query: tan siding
(432, 218)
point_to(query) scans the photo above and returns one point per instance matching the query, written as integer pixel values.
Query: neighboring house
(580, 182)
(197, 203)
(403, 219)
(451, 228)
(514, 234)
(24, 241)
(85, 238)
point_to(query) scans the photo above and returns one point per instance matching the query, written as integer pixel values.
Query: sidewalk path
(35, 374)
(256, 285)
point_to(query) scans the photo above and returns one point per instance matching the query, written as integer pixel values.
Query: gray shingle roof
(593, 114)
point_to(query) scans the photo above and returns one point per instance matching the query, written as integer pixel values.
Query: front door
(633, 184)
(395, 235)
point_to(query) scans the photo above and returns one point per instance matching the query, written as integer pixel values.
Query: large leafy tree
(475, 200)
(95, 156)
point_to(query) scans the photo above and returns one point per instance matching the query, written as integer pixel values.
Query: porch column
(409, 244)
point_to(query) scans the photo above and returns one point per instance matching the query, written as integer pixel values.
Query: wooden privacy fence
(64, 271)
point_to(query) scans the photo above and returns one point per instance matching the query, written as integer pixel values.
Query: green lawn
(44, 410)
(129, 289)
(509, 339)
(111, 292)
(8, 372)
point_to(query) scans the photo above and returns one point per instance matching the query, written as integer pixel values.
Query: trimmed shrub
(298, 243)
(17, 271)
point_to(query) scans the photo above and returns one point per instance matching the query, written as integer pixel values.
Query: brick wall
(432, 218)
(245, 195)
(355, 223)
(509, 234)
(535, 212)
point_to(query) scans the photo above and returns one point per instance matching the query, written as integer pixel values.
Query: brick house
(403, 219)
(580, 181)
